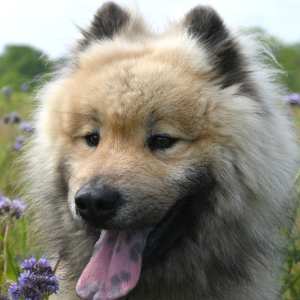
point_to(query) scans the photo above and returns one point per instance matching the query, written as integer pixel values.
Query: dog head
(152, 135)
(140, 120)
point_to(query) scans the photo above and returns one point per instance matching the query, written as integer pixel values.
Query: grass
(18, 242)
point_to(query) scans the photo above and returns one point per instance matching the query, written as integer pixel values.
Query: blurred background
(35, 37)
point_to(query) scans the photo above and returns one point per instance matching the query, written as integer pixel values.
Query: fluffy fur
(233, 161)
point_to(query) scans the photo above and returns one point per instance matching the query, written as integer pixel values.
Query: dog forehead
(138, 89)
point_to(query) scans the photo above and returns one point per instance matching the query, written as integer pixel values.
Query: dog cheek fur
(231, 245)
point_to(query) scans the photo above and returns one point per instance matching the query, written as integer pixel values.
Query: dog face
(158, 121)
(148, 144)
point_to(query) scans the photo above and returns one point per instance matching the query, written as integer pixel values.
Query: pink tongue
(115, 266)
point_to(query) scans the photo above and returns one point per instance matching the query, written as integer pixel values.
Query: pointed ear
(204, 24)
(109, 20)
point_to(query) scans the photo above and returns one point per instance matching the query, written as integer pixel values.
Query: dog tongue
(115, 266)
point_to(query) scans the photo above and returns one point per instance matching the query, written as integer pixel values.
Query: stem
(10, 146)
(5, 250)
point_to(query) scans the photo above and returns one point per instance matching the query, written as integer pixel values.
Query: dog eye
(161, 142)
(93, 139)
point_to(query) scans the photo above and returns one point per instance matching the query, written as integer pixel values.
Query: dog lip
(156, 236)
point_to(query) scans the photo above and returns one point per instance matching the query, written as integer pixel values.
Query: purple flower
(31, 294)
(38, 275)
(14, 117)
(18, 144)
(293, 99)
(17, 147)
(6, 119)
(24, 278)
(39, 267)
(36, 281)
(7, 91)
(29, 264)
(18, 209)
(5, 205)
(16, 292)
(24, 87)
(27, 127)
(20, 139)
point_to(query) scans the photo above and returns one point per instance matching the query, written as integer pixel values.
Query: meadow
(16, 103)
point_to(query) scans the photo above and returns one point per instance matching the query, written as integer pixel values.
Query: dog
(161, 166)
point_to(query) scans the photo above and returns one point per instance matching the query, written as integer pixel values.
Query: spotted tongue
(115, 266)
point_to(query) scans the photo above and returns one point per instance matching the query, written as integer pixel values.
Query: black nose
(96, 203)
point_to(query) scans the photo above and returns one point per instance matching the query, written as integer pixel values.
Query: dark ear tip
(203, 9)
(203, 14)
(109, 19)
(108, 7)
(205, 24)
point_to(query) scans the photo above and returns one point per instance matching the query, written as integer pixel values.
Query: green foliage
(289, 58)
(17, 240)
(290, 277)
(20, 64)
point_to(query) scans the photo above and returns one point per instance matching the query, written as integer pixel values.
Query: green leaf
(11, 262)
(23, 238)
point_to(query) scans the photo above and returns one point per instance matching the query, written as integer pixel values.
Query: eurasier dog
(160, 165)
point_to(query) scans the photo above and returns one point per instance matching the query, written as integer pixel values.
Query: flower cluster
(27, 127)
(293, 99)
(5, 205)
(18, 144)
(12, 118)
(36, 282)
(7, 91)
(15, 208)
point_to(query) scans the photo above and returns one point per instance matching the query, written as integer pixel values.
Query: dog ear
(204, 24)
(108, 20)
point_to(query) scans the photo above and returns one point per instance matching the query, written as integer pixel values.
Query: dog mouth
(115, 266)
(164, 234)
